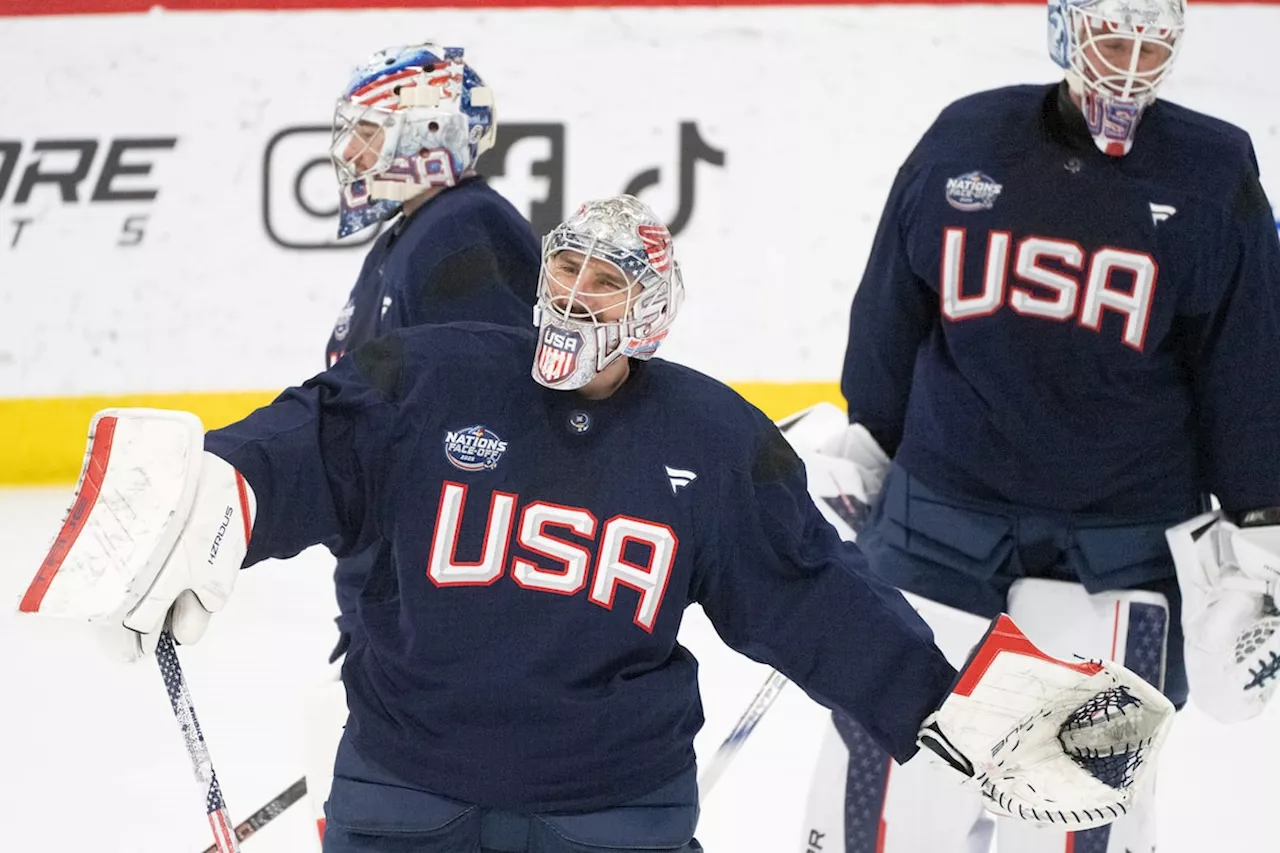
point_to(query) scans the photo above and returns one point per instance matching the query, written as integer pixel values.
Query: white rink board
(207, 301)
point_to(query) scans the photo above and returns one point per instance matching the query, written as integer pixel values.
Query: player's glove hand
(1047, 741)
(156, 535)
(1229, 575)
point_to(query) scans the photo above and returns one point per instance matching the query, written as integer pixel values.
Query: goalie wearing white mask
(518, 684)
(609, 290)
(1116, 54)
(1064, 341)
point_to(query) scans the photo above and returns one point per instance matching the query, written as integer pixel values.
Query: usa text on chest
(1049, 277)
(573, 561)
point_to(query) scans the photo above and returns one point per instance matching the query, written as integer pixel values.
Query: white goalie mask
(609, 288)
(1116, 54)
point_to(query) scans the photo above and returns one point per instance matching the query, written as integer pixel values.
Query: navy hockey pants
(371, 811)
(967, 553)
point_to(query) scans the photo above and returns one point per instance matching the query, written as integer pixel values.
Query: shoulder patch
(381, 361)
(460, 274)
(775, 459)
(1251, 199)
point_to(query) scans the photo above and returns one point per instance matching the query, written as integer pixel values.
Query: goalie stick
(224, 840)
(746, 724)
(268, 812)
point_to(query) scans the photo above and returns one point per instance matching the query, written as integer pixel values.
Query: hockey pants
(371, 811)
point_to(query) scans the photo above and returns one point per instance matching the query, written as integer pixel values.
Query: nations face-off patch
(474, 448)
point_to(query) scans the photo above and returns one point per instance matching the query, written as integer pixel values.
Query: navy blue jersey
(1043, 325)
(466, 254)
(518, 648)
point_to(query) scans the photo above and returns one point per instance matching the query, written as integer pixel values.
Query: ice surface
(92, 758)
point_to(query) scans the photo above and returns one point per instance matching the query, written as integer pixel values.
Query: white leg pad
(326, 719)
(918, 807)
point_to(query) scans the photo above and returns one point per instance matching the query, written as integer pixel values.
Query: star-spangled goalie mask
(1116, 54)
(609, 288)
(410, 119)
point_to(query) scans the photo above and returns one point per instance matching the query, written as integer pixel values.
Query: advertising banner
(167, 208)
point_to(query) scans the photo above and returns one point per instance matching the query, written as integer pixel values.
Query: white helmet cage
(1116, 54)
(609, 288)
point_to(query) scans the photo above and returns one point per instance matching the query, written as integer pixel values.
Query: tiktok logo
(527, 165)
(693, 149)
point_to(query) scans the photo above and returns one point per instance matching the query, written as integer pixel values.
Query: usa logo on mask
(558, 355)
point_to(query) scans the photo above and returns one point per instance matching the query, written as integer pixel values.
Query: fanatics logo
(558, 354)
(474, 448)
(1161, 212)
(972, 191)
(679, 478)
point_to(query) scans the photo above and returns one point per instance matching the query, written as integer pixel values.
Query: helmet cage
(411, 119)
(1106, 52)
(1106, 47)
(584, 326)
(649, 299)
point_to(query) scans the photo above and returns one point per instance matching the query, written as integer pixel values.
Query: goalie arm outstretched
(316, 456)
(160, 528)
(782, 588)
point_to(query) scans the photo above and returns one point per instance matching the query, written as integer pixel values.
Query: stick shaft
(746, 724)
(224, 838)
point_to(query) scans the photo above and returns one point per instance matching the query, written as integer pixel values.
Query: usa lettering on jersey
(1057, 294)
(569, 565)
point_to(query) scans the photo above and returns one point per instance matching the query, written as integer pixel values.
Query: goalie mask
(609, 288)
(1116, 54)
(411, 118)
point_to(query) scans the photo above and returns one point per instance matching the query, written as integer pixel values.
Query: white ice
(91, 758)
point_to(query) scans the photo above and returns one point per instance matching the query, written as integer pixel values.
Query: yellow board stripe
(42, 439)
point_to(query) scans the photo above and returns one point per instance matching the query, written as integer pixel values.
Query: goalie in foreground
(517, 684)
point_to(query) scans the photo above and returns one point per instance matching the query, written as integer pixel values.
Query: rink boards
(166, 208)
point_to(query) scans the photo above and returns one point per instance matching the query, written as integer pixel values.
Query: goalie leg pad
(325, 722)
(1127, 626)
(860, 800)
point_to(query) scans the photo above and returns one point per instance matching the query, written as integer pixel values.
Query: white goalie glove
(155, 537)
(1066, 744)
(1229, 575)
